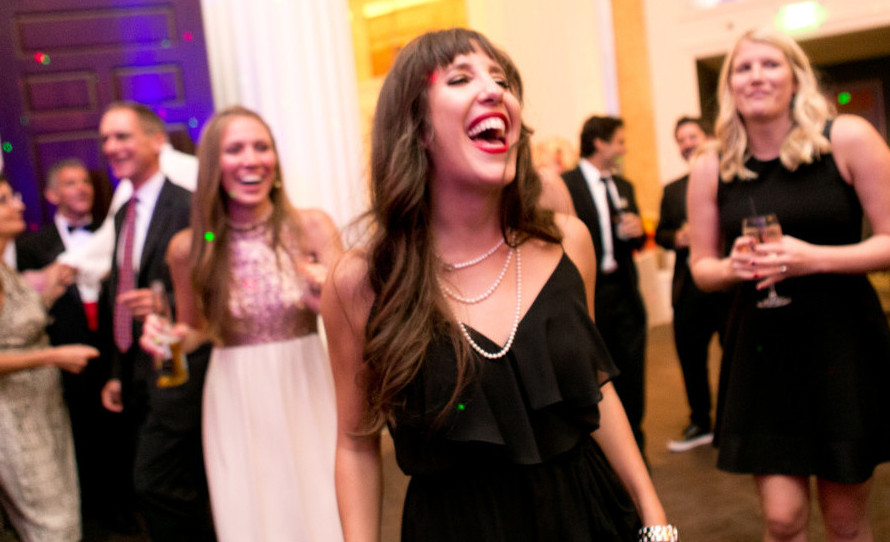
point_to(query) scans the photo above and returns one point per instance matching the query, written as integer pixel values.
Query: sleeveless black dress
(515, 461)
(803, 387)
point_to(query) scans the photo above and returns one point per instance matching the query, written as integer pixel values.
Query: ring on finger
(783, 269)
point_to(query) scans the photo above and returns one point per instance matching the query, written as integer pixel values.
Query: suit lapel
(157, 225)
(586, 209)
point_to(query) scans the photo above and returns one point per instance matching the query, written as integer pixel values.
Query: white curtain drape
(292, 62)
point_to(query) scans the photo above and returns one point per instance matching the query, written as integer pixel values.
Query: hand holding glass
(766, 229)
(172, 367)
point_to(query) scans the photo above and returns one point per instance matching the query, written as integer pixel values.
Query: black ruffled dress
(804, 387)
(515, 461)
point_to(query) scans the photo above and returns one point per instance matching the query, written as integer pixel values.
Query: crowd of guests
(490, 319)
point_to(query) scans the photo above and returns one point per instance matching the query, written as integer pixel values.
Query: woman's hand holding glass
(762, 243)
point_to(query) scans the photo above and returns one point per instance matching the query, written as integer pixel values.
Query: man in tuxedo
(697, 315)
(168, 473)
(606, 203)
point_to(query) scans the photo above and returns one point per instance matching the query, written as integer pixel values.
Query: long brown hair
(809, 111)
(409, 308)
(210, 272)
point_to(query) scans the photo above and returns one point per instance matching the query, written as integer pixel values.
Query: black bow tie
(72, 227)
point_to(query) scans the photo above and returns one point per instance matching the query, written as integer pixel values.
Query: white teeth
(491, 123)
(251, 180)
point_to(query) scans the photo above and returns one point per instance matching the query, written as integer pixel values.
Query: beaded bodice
(264, 300)
(22, 316)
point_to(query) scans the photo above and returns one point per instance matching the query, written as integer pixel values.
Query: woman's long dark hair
(409, 308)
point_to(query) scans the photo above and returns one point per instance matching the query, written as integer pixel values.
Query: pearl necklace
(474, 261)
(484, 295)
(503, 351)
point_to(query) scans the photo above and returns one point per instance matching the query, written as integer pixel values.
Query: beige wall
(678, 34)
(556, 46)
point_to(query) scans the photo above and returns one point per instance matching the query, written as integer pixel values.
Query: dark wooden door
(63, 61)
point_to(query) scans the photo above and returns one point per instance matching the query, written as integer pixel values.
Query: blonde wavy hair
(809, 112)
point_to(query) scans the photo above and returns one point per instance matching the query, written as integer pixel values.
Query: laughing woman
(466, 327)
(248, 276)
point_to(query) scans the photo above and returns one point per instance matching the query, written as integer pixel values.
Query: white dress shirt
(146, 198)
(598, 189)
(75, 240)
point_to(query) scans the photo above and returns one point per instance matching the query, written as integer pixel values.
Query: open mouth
(250, 180)
(489, 133)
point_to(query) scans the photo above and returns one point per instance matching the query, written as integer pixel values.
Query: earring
(277, 184)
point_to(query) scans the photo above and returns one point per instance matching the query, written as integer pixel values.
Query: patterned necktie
(123, 318)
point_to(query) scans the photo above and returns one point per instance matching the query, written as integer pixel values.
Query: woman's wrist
(658, 533)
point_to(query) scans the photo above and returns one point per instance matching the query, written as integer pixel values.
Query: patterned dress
(269, 412)
(38, 478)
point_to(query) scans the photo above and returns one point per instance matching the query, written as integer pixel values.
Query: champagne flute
(766, 229)
(172, 367)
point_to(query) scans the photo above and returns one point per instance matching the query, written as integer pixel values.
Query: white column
(292, 62)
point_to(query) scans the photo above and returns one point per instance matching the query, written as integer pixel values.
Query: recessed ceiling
(825, 51)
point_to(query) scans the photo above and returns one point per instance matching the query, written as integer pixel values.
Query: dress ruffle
(524, 408)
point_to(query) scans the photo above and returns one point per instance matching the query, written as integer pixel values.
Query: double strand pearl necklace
(487, 293)
(503, 351)
(474, 261)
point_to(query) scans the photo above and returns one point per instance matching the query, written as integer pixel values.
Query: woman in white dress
(248, 275)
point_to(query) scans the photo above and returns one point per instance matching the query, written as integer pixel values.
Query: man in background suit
(605, 202)
(169, 467)
(697, 315)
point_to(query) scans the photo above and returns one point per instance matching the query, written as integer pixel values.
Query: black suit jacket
(68, 323)
(135, 368)
(671, 219)
(586, 209)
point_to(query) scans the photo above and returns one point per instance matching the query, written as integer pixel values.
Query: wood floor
(708, 505)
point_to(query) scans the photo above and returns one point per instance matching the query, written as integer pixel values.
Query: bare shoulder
(576, 240)
(348, 283)
(314, 222)
(861, 154)
(574, 231)
(555, 194)
(179, 248)
(851, 135)
(704, 172)
(320, 234)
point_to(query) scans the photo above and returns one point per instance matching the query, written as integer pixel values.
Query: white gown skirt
(269, 435)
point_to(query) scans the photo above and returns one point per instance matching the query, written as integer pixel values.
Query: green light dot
(45, 60)
(166, 44)
(843, 98)
(7, 147)
(208, 236)
(461, 406)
